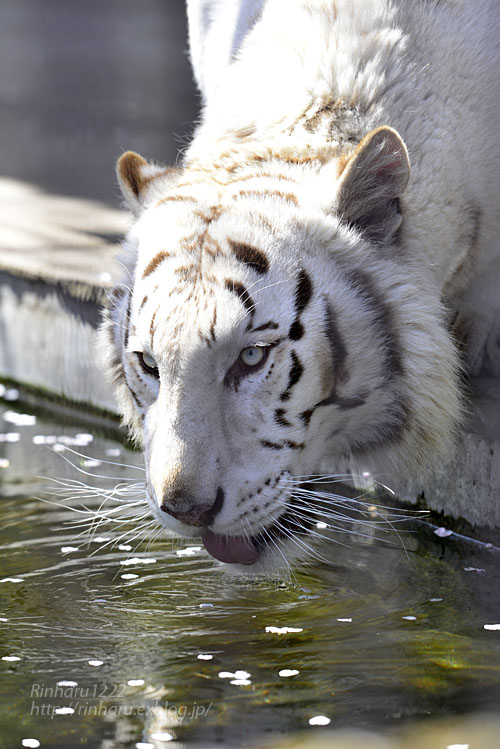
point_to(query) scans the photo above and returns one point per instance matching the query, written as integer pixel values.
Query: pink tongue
(232, 549)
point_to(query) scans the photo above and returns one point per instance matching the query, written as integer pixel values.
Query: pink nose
(185, 508)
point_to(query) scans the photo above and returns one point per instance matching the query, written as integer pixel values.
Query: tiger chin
(291, 285)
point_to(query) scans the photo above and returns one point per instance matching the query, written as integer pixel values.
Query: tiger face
(272, 326)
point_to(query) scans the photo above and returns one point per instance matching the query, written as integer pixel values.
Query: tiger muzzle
(186, 509)
(229, 549)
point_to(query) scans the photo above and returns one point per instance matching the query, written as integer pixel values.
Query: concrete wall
(47, 339)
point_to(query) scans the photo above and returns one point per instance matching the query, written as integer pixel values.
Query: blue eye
(148, 363)
(251, 359)
(253, 355)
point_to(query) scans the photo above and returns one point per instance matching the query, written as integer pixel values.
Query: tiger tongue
(231, 549)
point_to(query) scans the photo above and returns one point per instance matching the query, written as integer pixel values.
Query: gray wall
(83, 80)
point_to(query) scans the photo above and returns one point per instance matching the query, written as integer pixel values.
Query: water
(384, 635)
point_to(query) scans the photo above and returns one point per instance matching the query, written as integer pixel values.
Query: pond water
(115, 636)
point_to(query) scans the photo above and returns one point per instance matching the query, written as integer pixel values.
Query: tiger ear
(371, 183)
(137, 178)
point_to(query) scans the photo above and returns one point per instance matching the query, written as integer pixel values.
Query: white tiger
(293, 282)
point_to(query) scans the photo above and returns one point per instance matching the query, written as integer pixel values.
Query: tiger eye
(252, 355)
(148, 363)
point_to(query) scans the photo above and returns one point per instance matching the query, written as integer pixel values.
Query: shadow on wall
(82, 82)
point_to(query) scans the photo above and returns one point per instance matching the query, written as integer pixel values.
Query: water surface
(122, 637)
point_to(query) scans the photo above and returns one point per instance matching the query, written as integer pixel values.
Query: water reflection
(122, 635)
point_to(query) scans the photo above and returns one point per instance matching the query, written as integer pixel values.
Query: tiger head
(275, 325)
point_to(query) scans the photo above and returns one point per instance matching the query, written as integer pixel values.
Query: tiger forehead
(207, 199)
(203, 316)
(194, 251)
(222, 300)
(206, 218)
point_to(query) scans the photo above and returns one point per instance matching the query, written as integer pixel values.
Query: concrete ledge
(55, 270)
(47, 335)
(469, 487)
(57, 238)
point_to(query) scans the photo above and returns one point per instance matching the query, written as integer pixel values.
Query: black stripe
(296, 371)
(338, 352)
(303, 292)
(306, 416)
(383, 320)
(294, 445)
(127, 321)
(135, 397)
(132, 392)
(272, 445)
(250, 256)
(279, 417)
(280, 445)
(266, 326)
(345, 404)
(237, 288)
(116, 372)
(296, 330)
(337, 346)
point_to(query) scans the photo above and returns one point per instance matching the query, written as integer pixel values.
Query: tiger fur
(293, 281)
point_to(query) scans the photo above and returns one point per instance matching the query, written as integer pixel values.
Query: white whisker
(107, 462)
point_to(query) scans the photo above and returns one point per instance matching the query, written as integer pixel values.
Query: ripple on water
(128, 620)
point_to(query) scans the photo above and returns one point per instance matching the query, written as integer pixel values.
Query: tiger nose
(185, 508)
